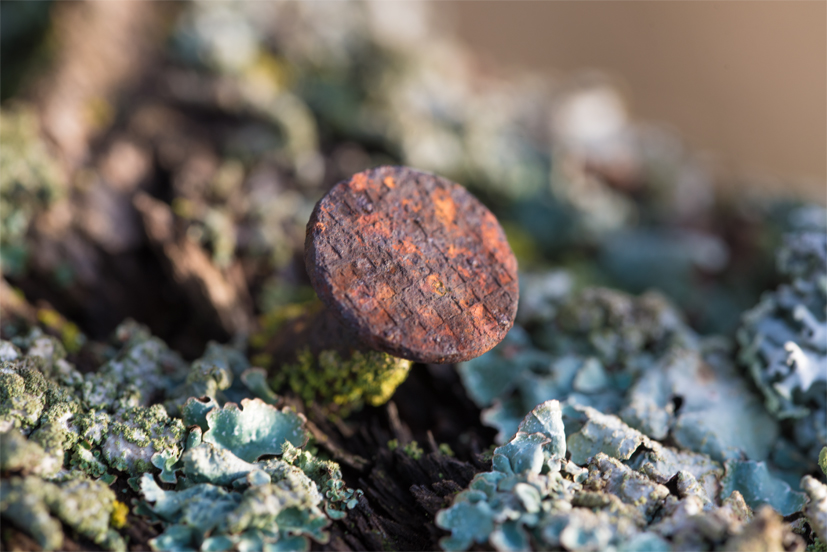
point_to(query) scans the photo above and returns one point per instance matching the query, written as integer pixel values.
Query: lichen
(640, 496)
(254, 430)
(30, 181)
(137, 435)
(783, 341)
(229, 496)
(816, 509)
(758, 487)
(96, 421)
(344, 384)
(143, 367)
(245, 461)
(629, 356)
(86, 506)
(215, 375)
(301, 98)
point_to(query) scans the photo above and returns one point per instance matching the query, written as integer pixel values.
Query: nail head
(415, 263)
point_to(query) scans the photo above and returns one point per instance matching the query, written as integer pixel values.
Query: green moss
(118, 517)
(271, 322)
(70, 335)
(344, 385)
(445, 449)
(822, 460)
(817, 546)
(413, 450)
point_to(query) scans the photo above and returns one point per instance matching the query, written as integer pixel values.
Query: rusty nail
(413, 265)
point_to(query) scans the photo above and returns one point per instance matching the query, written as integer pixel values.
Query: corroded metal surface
(415, 263)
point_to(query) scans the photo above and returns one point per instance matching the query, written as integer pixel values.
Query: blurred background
(160, 160)
(744, 82)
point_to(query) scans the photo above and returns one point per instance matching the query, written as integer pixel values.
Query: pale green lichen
(19, 455)
(209, 376)
(142, 368)
(344, 384)
(39, 408)
(137, 435)
(254, 430)
(88, 461)
(591, 347)
(31, 180)
(328, 478)
(208, 463)
(82, 504)
(633, 357)
(639, 496)
(275, 502)
(816, 509)
(758, 487)
(68, 426)
(195, 411)
(22, 502)
(783, 341)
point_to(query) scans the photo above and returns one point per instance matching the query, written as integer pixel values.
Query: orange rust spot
(320, 227)
(389, 182)
(411, 205)
(436, 285)
(446, 209)
(359, 182)
(484, 320)
(362, 298)
(430, 319)
(463, 301)
(464, 272)
(502, 276)
(406, 247)
(491, 234)
(383, 228)
(383, 291)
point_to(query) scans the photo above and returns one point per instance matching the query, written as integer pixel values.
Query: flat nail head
(415, 263)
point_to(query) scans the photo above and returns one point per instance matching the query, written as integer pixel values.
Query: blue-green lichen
(629, 356)
(59, 427)
(620, 490)
(783, 340)
(245, 482)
